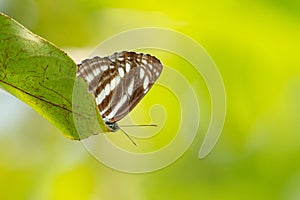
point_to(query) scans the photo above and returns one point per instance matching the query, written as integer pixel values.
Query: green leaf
(44, 77)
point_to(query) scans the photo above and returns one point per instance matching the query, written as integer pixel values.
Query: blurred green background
(255, 45)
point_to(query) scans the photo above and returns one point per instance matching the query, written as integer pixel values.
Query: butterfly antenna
(128, 137)
(132, 125)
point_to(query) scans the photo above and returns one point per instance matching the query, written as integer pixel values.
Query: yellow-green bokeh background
(255, 45)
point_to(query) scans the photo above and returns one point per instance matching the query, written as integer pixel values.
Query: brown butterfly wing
(119, 81)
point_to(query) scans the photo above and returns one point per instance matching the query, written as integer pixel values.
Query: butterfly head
(112, 126)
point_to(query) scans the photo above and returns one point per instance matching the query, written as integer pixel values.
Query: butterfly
(119, 82)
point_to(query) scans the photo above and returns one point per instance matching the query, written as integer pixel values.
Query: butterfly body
(118, 82)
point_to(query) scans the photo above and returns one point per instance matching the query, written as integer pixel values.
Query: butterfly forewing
(119, 81)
